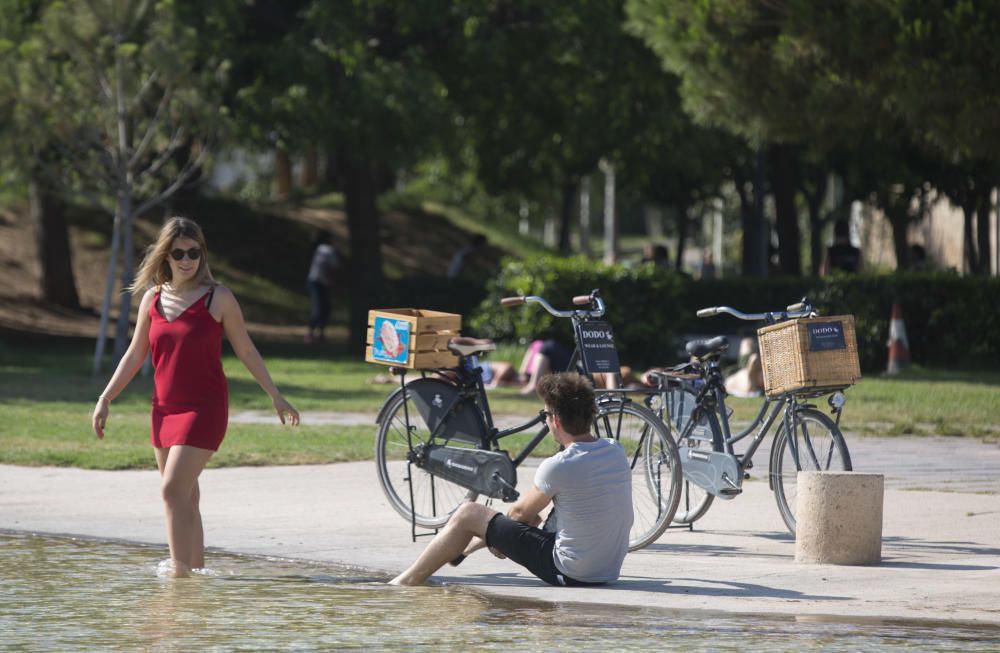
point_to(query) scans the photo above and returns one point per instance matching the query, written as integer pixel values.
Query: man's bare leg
(469, 521)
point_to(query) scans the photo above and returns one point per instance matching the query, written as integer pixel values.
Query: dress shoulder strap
(211, 296)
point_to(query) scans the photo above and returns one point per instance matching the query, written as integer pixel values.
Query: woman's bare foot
(172, 569)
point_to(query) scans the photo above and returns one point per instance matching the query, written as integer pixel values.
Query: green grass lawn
(47, 395)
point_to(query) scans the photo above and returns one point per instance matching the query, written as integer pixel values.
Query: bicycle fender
(438, 404)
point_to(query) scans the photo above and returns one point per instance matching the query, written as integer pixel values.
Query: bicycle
(691, 399)
(437, 444)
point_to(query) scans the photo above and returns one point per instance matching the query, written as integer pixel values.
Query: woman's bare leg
(180, 467)
(540, 366)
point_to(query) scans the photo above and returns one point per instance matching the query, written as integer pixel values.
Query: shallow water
(67, 594)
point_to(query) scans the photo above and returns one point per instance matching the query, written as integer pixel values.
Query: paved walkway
(941, 534)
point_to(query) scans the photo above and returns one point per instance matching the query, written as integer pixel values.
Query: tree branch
(147, 138)
(163, 157)
(185, 173)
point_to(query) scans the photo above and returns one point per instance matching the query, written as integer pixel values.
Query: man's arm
(527, 508)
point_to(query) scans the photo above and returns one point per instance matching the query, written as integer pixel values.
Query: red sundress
(190, 394)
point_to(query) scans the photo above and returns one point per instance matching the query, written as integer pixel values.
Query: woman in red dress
(182, 317)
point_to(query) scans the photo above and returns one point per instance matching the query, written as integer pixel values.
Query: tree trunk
(283, 173)
(815, 203)
(786, 217)
(365, 266)
(128, 274)
(983, 228)
(682, 231)
(55, 261)
(109, 284)
(585, 216)
(899, 219)
(570, 189)
(310, 167)
(331, 171)
(750, 250)
(971, 257)
(610, 217)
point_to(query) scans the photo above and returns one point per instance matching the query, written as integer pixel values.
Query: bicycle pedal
(730, 492)
(746, 476)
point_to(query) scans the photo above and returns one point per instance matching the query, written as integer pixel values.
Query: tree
(541, 122)
(24, 156)
(830, 74)
(353, 77)
(127, 111)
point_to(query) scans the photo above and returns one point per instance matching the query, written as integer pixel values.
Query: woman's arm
(128, 366)
(236, 332)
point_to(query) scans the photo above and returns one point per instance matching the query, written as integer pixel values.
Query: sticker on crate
(392, 340)
(826, 336)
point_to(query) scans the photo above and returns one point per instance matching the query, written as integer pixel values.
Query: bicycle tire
(821, 447)
(434, 499)
(655, 464)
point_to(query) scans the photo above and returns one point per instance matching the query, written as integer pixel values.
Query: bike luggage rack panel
(809, 353)
(413, 338)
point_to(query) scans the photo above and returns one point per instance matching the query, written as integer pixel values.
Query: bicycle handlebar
(597, 311)
(799, 309)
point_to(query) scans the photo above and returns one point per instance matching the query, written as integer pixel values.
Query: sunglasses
(178, 254)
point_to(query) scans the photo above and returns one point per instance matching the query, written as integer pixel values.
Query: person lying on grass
(585, 537)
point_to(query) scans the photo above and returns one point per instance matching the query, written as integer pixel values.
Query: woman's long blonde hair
(155, 269)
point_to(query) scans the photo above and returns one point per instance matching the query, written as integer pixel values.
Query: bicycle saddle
(465, 346)
(703, 348)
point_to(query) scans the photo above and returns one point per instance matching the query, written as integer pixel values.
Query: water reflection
(64, 594)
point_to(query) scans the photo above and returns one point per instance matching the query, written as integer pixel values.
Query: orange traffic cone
(899, 346)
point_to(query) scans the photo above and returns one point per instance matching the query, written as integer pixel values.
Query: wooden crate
(809, 354)
(411, 337)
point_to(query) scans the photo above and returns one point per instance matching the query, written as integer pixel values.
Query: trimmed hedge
(951, 321)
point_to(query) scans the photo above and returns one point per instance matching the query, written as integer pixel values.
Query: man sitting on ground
(585, 538)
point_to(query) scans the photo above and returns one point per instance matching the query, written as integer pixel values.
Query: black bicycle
(438, 446)
(691, 399)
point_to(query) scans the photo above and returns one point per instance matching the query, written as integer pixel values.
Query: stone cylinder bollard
(838, 518)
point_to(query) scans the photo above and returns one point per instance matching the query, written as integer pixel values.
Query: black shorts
(529, 547)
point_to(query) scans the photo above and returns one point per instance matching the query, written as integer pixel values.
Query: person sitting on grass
(585, 538)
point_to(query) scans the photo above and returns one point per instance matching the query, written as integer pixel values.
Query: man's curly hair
(570, 397)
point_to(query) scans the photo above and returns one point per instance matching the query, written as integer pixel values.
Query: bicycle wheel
(819, 445)
(656, 469)
(433, 498)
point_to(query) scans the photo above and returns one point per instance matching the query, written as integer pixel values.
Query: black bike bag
(436, 399)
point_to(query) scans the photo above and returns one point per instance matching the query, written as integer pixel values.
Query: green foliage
(826, 72)
(950, 320)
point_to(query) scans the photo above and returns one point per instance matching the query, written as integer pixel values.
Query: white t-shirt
(591, 488)
(324, 261)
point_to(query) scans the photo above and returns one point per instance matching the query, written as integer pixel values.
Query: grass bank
(47, 395)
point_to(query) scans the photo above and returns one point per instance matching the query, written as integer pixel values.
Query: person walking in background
(585, 538)
(182, 316)
(841, 255)
(656, 255)
(460, 261)
(319, 283)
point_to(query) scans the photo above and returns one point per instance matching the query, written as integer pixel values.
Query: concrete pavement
(940, 554)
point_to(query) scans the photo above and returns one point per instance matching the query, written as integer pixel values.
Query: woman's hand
(100, 418)
(283, 408)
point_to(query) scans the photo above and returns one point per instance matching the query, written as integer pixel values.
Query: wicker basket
(814, 353)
